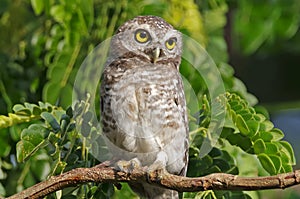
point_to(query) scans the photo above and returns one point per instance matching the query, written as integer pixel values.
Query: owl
(143, 107)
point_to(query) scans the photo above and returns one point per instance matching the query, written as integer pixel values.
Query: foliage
(272, 22)
(45, 41)
(248, 130)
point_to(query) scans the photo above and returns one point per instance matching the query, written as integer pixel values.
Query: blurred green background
(43, 43)
(263, 41)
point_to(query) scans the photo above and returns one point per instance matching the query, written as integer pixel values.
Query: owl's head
(149, 38)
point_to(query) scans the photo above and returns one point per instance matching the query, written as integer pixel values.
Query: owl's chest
(141, 95)
(143, 108)
(147, 84)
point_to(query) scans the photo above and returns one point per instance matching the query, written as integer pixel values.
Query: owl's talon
(127, 166)
(157, 169)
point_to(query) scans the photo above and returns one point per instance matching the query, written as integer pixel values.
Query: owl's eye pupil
(170, 43)
(142, 36)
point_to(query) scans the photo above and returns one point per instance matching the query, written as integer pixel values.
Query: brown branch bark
(101, 174)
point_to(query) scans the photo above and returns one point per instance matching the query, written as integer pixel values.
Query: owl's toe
(156, 171)
(127, 166)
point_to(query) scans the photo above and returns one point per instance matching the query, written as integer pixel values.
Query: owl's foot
(158, 168)
(128, 166)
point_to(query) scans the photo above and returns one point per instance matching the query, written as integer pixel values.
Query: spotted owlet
(143, 107)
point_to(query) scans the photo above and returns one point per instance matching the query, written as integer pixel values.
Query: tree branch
(102, 174)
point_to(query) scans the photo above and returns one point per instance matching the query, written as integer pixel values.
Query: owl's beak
(155, 54)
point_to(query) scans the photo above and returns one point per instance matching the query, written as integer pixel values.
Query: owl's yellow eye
(171, 43)
(142, 36)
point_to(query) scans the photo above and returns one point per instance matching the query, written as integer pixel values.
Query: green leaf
(69, 111)
(85, 129)
(246, 115)
(239, 140)
(18, 107)
(66, 95)
(262, 110)
(32, 139)
(35, 134)
(24, 148)
(285, 157)
(2, 190)
(259, 146)
(242, 125)
(5, 146)
(287, 149)
(45, 107)
(226, 132)
(197, 166)
(38, 6)
(58, 13)
(51, 92)
(29, 106)
(277, 134)
(253, 127)
(277, 162)
(21, 110)
(36, 110)
(233, 116)
(41, 168)
(266, 126)
(214, 169)
(259, 117)
(222, 164)
(286, 168)
(48, 117)
(271, 148)
(266, 136)
(237, 107)
(215, 153)
(56, 73)
(267, 163)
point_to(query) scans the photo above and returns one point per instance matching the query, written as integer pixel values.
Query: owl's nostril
(161, 53)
